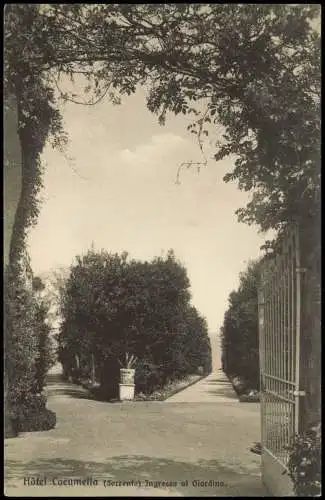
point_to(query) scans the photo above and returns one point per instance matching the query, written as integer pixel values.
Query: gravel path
(196, 449)
(215, 388)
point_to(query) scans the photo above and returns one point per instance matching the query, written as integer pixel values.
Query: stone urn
(126, 385)
(127, 372)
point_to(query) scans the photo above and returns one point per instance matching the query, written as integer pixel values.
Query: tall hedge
(112, 305)
(239, 333)
(27, 353)
(21, 339)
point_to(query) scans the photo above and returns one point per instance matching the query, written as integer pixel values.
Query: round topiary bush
(32, 415)
(239, 385)
(34, 420)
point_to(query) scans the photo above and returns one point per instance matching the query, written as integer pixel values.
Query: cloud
(157, 150)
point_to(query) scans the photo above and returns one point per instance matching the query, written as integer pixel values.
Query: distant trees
(239, 333)
(111, 305)
(197, 349)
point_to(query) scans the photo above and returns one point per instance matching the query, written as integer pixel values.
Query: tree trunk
(12, 178)
(93, 373)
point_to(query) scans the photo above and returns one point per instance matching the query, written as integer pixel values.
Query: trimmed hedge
(32, 415)
(170, 389)
(239, 333)
(20, 340)
(140, 307)
(28, 356)
(36, 420)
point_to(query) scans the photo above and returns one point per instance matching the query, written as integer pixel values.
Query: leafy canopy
(257, 68)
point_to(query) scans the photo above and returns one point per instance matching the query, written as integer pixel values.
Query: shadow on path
(217, 382)
(232, 482)
(57, 386)
(140, 442)
(224, 392)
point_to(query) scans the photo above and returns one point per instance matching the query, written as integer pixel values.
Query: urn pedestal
(126, 385)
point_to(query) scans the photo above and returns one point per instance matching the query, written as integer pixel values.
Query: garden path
(200, 448)
(215, 388)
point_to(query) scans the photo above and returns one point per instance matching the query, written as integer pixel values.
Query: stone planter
(127, 375)
(126, 385)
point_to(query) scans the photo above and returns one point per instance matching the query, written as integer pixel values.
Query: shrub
(33, 402)
(240, 385)
(32, 414)
(154, 396)
(148, 377)
(251, 397)
(305, 463)
(33, 420)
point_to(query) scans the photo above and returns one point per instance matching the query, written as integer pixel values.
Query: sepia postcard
(162, 253)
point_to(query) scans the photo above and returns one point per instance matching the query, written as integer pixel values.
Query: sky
(118, 192)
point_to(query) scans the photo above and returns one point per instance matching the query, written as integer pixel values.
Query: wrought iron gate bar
(279, 396)
(285, 381)
(298, 313)
(299, 393)
(301, 270)
(279, 313)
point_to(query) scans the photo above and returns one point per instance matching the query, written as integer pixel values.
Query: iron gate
(279, 331)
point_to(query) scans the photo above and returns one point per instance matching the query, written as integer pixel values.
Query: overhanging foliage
(256, 66)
